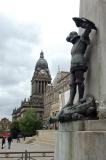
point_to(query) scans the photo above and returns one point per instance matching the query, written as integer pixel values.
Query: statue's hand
(84, 23)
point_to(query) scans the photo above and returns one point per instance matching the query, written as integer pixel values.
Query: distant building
(5, 124)
(41, 78)
(56, 95)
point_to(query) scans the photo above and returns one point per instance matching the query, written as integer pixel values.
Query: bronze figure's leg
(72, 89)
(79, 74)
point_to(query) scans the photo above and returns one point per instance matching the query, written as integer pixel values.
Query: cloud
(61, 62)
(16, 44)
(11, 97)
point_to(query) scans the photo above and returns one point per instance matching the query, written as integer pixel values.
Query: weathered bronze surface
(86, 107)
(78, 61)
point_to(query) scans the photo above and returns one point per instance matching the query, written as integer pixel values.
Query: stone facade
(5, 124)
(40, 79)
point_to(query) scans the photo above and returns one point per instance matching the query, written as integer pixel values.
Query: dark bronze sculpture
(86, 107)
(78, 62)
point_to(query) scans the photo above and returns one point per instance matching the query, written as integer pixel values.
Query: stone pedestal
(81, 140)
(95, 10)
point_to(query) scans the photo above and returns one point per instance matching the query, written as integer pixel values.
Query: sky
(26, 28)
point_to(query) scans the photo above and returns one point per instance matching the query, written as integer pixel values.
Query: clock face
(43, 72)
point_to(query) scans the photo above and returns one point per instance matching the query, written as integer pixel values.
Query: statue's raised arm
(84, 23)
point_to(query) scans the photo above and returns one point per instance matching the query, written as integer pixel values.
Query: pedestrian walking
(3, 142)
(9, 139)
(18, 138)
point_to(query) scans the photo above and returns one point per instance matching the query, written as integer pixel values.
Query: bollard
(25, 154)
(6, 155)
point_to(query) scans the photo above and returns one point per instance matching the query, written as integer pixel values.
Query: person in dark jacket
(3, 142)
(9, 139)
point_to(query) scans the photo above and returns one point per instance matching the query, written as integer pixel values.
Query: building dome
(41, 63)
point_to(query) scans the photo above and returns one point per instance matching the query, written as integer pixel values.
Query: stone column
(44, 86)
(95, 10)
(41, 87)
(37, 86)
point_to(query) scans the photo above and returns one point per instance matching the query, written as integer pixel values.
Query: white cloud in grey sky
(26, 28)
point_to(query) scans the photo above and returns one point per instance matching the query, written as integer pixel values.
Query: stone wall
(47, 136)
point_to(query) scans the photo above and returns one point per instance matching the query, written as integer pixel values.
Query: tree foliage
(29, 123)
(14, 128)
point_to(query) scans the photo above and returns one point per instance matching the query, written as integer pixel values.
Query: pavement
(21, 147)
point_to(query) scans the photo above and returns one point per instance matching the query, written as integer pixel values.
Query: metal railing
(45, 155)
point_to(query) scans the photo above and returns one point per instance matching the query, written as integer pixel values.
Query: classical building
(41, 78)
(5, 124)
(56, 95)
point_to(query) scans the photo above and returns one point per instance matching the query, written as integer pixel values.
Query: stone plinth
(81, 140)
(95, 10)
(47, 136)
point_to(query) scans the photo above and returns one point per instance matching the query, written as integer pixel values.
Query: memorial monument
(82, 127)
(86, 107)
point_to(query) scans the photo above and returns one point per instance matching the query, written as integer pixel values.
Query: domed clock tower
(40, 79)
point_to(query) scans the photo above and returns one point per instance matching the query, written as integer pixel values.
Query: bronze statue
(78, 62)
(86, 107)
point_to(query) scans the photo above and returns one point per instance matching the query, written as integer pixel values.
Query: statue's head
(73, 34)
(72, 37)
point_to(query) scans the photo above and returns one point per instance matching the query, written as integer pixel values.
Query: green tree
(29, 123)
(14, 128)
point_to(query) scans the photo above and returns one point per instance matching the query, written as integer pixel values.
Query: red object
(5, 134)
